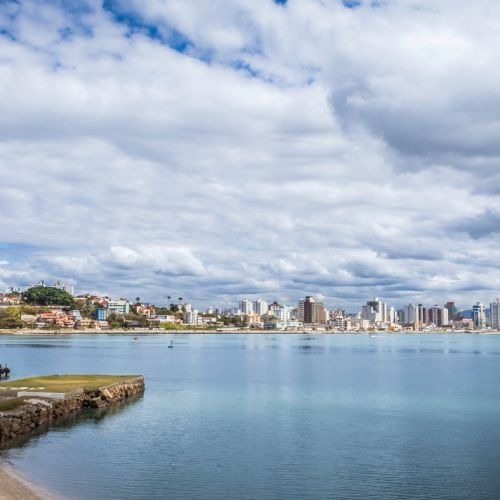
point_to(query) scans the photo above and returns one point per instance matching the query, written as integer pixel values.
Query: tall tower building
(311, 311)
(246, 306)
(411, 314)
(452, 310)
(260, 307)
(307, 309)
(423, 316)
(495, 314)
(479, 315)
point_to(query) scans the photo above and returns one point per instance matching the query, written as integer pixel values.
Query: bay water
(272, 416)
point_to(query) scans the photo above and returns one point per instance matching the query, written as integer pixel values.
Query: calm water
(268, 416)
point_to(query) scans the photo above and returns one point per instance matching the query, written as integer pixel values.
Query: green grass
(66, 383)
(11, 404)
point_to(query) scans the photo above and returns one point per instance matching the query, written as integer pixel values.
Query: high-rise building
(260, 307)
(452, 310)
(375, 311)
(423, 316)
(306, 309)
(191, 317)
(311, 311)
(246, 306)
(438, 316)
(495, 314)
(410, 315)
(479, 315)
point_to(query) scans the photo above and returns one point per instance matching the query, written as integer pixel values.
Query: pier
(29, 403)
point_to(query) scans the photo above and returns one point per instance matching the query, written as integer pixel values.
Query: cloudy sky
(217, 149)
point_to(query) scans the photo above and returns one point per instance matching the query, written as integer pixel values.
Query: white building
(495, 314)
(260, 307)
(121, 306)
(283, 313)
(375, 311)
(479, 315)
(410, 315)
(65, 288)
(191, 317)
(246, 306)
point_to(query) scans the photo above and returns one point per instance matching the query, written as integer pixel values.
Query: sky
(215, 150)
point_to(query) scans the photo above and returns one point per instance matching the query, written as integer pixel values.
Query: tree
(48, 296)
(137, 300)
(9, 318)
(86, 308)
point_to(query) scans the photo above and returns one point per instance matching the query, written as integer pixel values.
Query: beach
(15, 487)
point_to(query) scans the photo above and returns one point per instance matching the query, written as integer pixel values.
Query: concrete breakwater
(39, 410)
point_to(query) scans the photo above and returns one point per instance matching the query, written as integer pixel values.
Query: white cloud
(288, 149)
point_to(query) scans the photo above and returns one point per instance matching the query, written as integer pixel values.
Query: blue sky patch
(351, 4)
(168, 36)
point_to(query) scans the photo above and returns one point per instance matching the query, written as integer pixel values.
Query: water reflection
(63, 424)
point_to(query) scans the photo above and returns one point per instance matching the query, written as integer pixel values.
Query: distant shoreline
(62, 332)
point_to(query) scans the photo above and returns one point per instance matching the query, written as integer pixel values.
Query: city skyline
(280, 149)
(257, 303)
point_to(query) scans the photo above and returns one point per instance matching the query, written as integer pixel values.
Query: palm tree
(180, 299)
(137, 300)
(168, 300)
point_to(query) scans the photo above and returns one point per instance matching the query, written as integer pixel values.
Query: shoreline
(27, 331)
(14, 486)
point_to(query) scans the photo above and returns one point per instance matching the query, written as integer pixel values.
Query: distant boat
(135, 338)
(171, 345)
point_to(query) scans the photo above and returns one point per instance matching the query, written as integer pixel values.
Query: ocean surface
(273, 417)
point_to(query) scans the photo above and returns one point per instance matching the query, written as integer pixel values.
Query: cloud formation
(212, 150)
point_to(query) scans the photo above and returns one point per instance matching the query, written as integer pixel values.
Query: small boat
(135, 338)
(171, 345)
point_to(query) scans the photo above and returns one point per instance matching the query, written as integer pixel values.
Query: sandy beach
(15, 487)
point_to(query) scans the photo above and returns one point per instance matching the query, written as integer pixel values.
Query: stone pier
(39, 409)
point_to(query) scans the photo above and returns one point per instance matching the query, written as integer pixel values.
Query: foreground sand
(15, 487)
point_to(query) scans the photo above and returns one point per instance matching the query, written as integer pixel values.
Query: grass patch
(10, 404)
(66, 383)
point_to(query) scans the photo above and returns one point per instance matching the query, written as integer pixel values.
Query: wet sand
(15, 487)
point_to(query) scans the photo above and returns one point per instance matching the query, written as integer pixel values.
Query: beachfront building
(283, 313)
(260, 307)
(76, 315)
(253, 320)
(452, 310)
(495, 314)
(423, 315)
(246, 306)
(438, 316)
(191, 317)
(479, 315)
(121, 306)
(311, 311)
(375, 311)
(409, 315)
(340, 323)
(101, 314)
